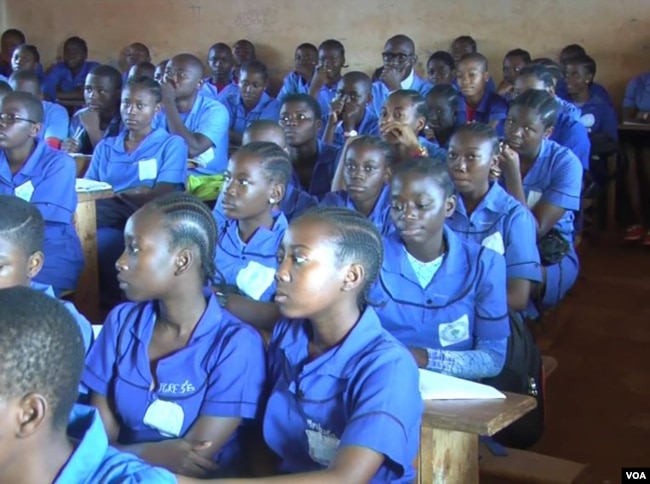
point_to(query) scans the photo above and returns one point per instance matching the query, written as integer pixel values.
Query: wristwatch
(351, 134)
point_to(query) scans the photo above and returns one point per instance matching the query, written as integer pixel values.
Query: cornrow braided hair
(540, 101)
(387, 150)
(541, 72)
(421, 107)
(21, 224)
(483, 130)
(430, 168)
(32, 49)
(304, 98)
(274, 160)
(443, 56)
(190, 221)
(358, 241)
(447, 92)
(146, 83)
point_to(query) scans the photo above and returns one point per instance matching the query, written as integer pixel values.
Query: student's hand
(505, 88)
(508, 159)
(403, 133)
(336, 107)
(351, 116)
(168, 90)
(90, 120)
(180, 456)
(421, 356)
(429, 133)
(320, 77)
(70, 145)
(392, 78)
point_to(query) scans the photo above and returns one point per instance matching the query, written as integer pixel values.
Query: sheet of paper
(435, 386)
(86, 185)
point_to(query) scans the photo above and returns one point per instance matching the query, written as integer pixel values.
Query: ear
(31, 413)
(487, 76)
(157, 109)
(36, 128)
(277, 192)
(369, 101)
(548, 132)
(319, 125)
(35, 264)
(354, 277)
(199, 83)
(388, 173)
(414, 59)
(184, 260)
(450, 206)
(420, 125)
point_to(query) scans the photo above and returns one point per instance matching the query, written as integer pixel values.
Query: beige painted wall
(617, 34)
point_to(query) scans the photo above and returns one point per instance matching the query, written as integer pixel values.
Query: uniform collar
(408, 82)
(495, 200)
(32, 165)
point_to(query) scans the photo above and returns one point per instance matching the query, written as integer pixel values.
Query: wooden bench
(522, 466)
(449, 435)
(86, 296)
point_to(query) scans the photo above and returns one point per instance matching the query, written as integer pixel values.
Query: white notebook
(85, 185)
(435, 386)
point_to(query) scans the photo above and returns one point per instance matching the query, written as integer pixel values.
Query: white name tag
(166, 417)
(322, 447)
(494, 242)
(454, 332)
(533, 197)
(147, 169)
(255, 279)
(25, 191)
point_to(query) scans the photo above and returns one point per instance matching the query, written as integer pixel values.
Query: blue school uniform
(364, 392)
(571, 133)
(47, 179)
(251, 265)
(436, 152)
(380, 91)
(323, 172)
(325, 97)
(210, 91)
(637, 93)
(266, 108)
(502, 224)
(568, 109)
(56, 122)
(294, 83)
(94, 461)
(369, 126)
(466, 298)
(209, 118)
(84, 325)
(60, 78)
(556, 178)
(219, 373)
(78, 132)
(599, 116)
(491, 108)
(594, 89)
(380, 214)
(160, 158)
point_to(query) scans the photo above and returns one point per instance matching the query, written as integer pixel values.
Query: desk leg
(87, 293)
(447, 457)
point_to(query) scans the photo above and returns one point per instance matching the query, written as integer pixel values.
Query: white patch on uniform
(204, 158)
(166, 417)
(323, 444)
(588, 121)
(534, 196)
(494, 242)
(25, 191)
(147, 169)
(454, 332)
(255, 279)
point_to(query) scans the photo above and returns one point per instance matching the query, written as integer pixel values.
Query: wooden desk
(86, 296)
(632, 127)
(450, 433)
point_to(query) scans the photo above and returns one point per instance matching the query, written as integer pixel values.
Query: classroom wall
(617, 34)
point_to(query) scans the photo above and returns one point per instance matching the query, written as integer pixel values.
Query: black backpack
(522, 373)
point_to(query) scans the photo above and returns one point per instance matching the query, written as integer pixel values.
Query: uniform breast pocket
(454, 332)
(147, 169)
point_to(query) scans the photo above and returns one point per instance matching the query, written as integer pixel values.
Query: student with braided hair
(344, 404)
(174, 375)
(443, 297)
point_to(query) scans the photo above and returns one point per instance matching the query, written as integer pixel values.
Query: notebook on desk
(86, 185)
(435, 386)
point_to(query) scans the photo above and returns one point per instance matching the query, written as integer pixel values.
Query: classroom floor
(599, 396)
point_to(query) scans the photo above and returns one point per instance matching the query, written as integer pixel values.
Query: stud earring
(271, 201)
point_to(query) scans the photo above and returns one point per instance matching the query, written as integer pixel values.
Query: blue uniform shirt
(599, 116)
(56, 121)
(556, 178)
(363, 392)
(594, 89)
(78, 132)
(209, 118)
(465, 300)
(491, 108)
(436, 152)
(380, 91)
(380, 215)
(47, 179)
(250, 266)
(637, 93)
(219, 373)
(369, 126)
(294, 83)
(209, 90)
(571, 133)
(502, 224)
(266, 108)
(568, 109)
(323, 172)
(60, 78)
(94, 461)
(160, 158)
